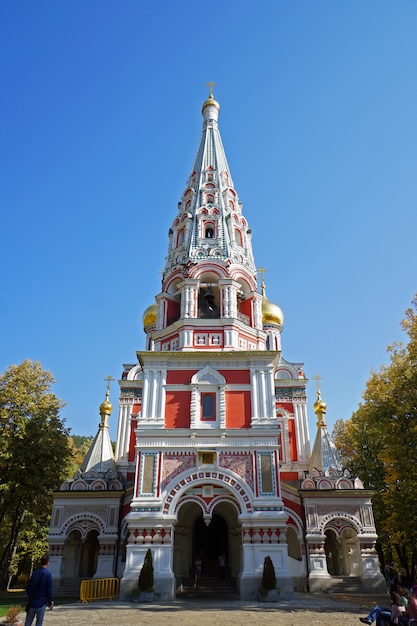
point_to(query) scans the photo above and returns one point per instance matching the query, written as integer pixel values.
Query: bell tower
(209, 298)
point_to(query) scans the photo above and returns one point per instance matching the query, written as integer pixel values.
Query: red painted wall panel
(238, 409)
(177, 409)
(293, 440)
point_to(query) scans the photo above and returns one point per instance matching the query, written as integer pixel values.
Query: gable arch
(221, 477)
(207, 509)
(350, 520)
(84, 523)
(209, 376)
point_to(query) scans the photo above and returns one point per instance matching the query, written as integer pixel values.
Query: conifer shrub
(146, 573)
(269, 580)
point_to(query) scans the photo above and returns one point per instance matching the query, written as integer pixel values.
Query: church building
(213, 451)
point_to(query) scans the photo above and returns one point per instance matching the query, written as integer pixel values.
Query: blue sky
(100, 121)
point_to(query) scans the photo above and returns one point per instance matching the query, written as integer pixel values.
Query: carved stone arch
(208, 375)
(98, 485)
(83, 523)
(133, 372)
(284, 373)
(79, 485)
(295, 521)
(235, 486)
(326, 522)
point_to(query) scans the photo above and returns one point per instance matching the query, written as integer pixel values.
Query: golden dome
(105, 410)
(149, 317)
(271, 313)
(211, 102)
(320, 408)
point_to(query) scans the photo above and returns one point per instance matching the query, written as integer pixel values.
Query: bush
(146, 573)
(269, 580)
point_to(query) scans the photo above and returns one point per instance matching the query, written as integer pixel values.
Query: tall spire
(210, 223)
(209, 298)
(100, 457)
(325, 454)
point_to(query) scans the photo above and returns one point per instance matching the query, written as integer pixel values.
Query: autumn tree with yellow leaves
(379, 444)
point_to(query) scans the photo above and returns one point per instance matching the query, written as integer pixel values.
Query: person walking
(39, 590)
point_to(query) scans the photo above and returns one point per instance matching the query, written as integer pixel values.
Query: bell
(209, 298)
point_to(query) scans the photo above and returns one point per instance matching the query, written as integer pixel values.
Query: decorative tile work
(174, 464)
(260, 535)
(241, 464)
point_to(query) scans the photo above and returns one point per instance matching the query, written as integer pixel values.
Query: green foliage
(79, 447)
(269, 580)
(146, 573)
(34, 457)
(379, 444)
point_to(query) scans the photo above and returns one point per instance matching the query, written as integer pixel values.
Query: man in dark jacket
(39, 590)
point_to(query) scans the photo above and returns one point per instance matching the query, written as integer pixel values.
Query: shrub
(146, 573)
(269, 580)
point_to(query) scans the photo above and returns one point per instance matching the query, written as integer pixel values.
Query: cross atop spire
(109, 379)
(317, 378)
(210, 85)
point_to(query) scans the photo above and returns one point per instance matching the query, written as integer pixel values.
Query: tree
(34, 453)
(379, 444)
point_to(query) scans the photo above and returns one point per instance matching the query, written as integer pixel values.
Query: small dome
(106, 406)
(210, 102)
(271, 313)
(149, 317)
(320, 408)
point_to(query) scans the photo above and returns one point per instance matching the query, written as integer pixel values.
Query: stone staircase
(346, 585)
(209, 587)
(69, 587)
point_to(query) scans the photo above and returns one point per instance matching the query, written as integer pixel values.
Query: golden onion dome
(105, 409)
(271, 313)
(320, 408)
(149, 317)
(210, 102)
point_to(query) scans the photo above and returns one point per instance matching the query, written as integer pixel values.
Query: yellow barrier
(99, 589)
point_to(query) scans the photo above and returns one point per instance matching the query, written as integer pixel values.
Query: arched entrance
(209, 537)
(334, 557)
(89, 555)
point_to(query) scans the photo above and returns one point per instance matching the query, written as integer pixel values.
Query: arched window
(209, 232)
(180, 238)
(208, 406)
(238, 237)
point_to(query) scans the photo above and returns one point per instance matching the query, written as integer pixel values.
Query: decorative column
(372, 577)
(261, 537)
(106, 556)
(144, 533)
(319, 576)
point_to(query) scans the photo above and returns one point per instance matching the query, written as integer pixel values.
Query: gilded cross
(210, 85)
(109, 379)
(262, 271)
(317, 378)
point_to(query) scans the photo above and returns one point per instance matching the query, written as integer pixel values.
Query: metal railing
(99, 589)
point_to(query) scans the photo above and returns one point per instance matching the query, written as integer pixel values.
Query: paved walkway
(303, 610)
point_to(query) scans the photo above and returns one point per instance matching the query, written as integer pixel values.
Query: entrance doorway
(210, 541)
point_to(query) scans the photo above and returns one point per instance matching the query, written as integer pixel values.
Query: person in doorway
(39, 590)
(221, 564)
(198, 563)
